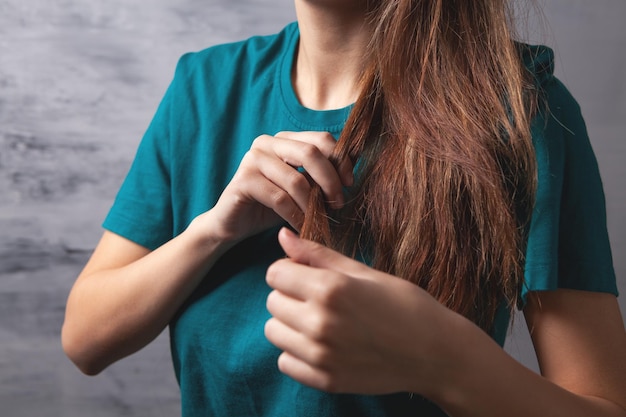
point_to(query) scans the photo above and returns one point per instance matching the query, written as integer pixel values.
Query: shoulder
(568, 244)
(538, 60)
(558, 126)
(540, 63)
(228, 60)
(218, 79)
(556, 103)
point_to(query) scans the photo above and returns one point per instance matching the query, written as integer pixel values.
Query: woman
(463, 167)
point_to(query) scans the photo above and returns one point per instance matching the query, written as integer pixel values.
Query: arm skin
(404, 340)
(126, 295)
(580, 343)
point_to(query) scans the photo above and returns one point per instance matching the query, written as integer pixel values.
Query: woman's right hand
(268, 188)
(116, 306)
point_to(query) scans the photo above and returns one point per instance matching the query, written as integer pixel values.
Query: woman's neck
(331, 51)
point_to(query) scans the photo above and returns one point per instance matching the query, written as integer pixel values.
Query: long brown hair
(445, 163)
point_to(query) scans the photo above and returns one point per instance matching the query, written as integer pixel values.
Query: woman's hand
(345, 327)
(268, 188)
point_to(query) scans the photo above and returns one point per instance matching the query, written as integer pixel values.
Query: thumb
(316, 255)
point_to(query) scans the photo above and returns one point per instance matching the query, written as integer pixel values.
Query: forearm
(489, 382)
(113, 313)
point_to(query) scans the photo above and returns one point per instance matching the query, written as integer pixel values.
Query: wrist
(438, 352)
(205, 233)
(466, 350)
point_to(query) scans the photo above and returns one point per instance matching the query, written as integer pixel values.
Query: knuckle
(250, 157)
(326, 141)
(281, 198)
(321, 356)
(320, 136)
(239, 198)
(320, 250)
(297, 181)
(333, 290)
(310, 151)
(259, 141)
(323, 327)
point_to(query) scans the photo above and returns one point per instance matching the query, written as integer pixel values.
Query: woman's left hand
(345, 327)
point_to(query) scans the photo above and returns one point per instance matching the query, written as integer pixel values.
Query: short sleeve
(568, 244)
(142, 211)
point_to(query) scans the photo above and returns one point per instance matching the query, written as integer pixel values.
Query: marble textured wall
(79, 81)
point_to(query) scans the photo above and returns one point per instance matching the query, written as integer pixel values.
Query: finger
(305, 373)
(282, 175)
(326, 144)
(323, 140)
(302, 316)
(299, 281)
(318, 256)
(315, 163)
(289, 310)
(296, 343)
(265, 192)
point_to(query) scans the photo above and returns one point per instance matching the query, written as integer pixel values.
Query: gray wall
(79, 82)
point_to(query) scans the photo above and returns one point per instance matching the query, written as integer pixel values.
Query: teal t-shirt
(220, 100)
